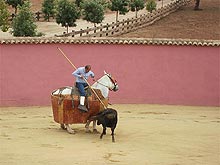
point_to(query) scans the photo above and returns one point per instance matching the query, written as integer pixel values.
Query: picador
(82, 74)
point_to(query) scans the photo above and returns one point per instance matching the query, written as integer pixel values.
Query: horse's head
(112, 85)
(106, 83)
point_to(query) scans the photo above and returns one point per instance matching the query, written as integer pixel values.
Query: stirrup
(82, 108)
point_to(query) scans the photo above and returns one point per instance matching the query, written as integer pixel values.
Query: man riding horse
(82, 74)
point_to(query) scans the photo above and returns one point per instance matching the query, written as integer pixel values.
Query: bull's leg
(103, 132)
(69, 130)
(113, 137)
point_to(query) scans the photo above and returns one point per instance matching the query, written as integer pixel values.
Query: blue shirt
(81, 71)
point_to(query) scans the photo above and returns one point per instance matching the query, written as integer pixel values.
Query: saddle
(75, 95)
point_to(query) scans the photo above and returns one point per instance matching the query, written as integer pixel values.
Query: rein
(106, 85)
(102, 84)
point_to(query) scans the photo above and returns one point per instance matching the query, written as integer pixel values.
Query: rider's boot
(81, 106)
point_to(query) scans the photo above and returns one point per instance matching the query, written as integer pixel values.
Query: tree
(4, 16)
(67, 13)
(136, 5)
(48, 8)
(78, 2)
(15, 3)
(93, 11)
(197, 5)
(23, 24)
(151, 5)
(120, 6)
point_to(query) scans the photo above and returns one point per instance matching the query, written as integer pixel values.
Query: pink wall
(184, 75)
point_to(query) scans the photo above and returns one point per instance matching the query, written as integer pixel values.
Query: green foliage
(137, 5)
(67, 13)
(93, 11)
(151, 5)
(4, 16)
(48, 8)
(78, 2)
(120, 6)
(15, 3)
(23, 24)
(104, 3)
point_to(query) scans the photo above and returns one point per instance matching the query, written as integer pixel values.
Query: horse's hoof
(95, 131)
(70, 131)
(62, 126)
(88, 131)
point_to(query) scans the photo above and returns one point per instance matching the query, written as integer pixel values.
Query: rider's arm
(92, 74)
(77, 73)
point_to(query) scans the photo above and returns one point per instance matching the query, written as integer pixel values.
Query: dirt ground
(145, 135)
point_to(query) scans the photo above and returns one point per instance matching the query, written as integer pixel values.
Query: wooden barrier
(124, 26)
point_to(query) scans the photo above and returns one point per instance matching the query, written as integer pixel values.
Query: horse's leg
(69, 130)
(87, 126)
(62, 126)
(94, 127)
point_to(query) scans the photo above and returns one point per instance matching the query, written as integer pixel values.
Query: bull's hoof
(95, 131)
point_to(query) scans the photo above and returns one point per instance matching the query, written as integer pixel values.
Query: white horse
(104, 84)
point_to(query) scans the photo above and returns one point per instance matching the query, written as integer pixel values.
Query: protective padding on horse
(65, 113)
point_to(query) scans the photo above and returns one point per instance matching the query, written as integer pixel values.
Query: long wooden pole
(83, 77)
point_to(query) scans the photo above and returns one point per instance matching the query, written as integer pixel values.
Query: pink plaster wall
(183, 75)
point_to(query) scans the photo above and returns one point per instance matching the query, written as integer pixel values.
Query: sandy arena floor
(145, 135)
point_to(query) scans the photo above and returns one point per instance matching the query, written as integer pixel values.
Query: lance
(83, 77)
